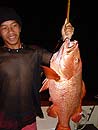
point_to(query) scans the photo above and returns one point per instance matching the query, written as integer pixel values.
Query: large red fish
(66, 87)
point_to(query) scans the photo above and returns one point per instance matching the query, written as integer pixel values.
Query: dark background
(42, 22)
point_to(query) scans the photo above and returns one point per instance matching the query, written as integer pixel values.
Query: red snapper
(65, 84)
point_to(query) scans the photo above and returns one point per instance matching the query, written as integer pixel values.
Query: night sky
(42, 22)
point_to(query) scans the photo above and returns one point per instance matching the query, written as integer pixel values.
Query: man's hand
(67, 30)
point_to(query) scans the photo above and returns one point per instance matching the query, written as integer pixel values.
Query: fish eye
(76, 60)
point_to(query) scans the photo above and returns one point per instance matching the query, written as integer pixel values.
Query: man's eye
(14, 25)
(3, 28)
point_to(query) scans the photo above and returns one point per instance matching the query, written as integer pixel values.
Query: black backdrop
(42, 22)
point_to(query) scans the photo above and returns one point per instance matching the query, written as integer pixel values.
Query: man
(20, 71)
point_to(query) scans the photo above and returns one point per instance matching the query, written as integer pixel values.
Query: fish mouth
(71, 45)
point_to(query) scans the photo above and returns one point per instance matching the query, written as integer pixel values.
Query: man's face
(10, 32)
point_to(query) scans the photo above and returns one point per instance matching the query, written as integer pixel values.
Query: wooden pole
(68, 11)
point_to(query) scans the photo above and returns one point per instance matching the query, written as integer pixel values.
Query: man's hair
(7, 13)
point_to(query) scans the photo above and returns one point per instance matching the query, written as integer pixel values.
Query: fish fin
(76, 117)
(44, 86)
(83, 90)
(51, 111)
(50, 73)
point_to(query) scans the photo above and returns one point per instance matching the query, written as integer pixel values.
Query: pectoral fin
(50, 73)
